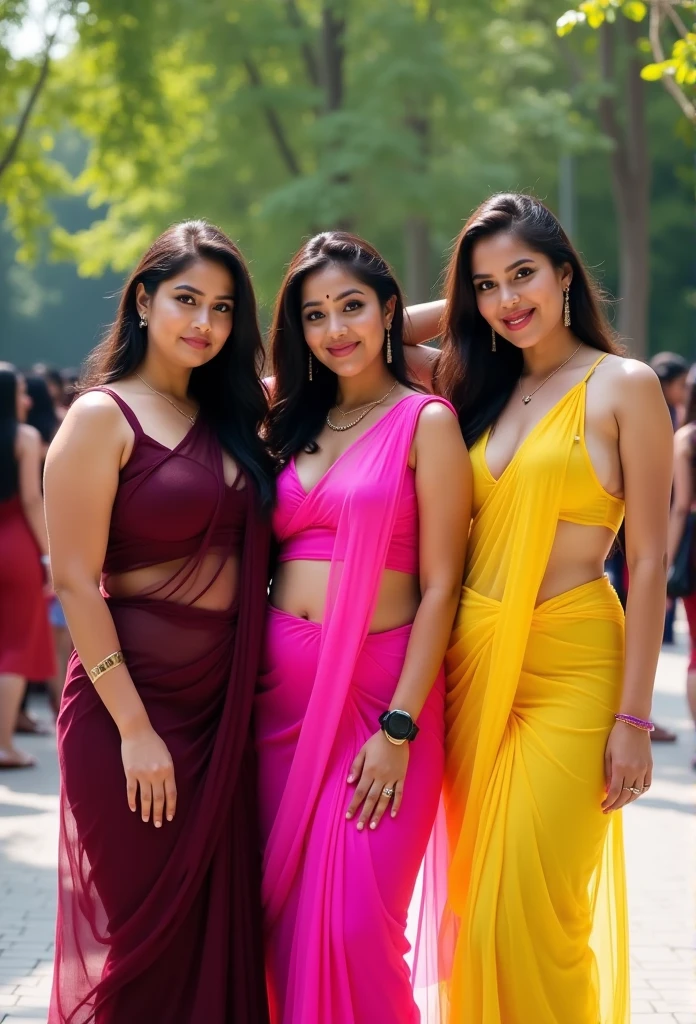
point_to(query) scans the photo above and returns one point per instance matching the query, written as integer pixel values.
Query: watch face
(399, 725)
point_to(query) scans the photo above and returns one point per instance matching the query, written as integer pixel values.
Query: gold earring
(311, 376)
(143, 320)
(493, 344)
(389, 348)
(566, 307)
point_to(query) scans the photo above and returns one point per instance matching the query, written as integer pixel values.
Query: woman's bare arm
(646, 446)
(444, 489)
(28, 448)
(423, 323)
(81, 479)
(683, 488)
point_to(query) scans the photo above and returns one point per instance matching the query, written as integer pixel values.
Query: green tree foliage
(677, 72)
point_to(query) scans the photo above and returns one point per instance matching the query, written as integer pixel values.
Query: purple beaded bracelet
(637, 723)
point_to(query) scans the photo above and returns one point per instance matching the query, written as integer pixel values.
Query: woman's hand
(148, 765)
(628, 765)
(380, 765)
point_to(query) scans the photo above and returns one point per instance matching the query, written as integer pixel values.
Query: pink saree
(336, 900)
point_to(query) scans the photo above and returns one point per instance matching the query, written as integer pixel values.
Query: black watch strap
(398, 726)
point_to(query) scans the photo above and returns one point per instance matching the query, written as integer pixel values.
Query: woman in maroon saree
(155, 493)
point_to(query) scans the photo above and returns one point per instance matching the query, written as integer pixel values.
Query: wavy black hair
(228, 388)
(299, 406)
(476, 380)
(42, 414)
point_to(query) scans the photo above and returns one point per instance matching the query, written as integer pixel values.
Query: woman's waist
(590, 598)
(300, 588)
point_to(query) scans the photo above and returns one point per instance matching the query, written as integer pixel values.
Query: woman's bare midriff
(577, 557)
(145, 582)
(299, 588)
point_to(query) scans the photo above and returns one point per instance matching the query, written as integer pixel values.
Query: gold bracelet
(112, 661)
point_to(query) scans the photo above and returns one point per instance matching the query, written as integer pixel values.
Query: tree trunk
(418, 259)
(630, 167)
(333, 27)
(417, 241)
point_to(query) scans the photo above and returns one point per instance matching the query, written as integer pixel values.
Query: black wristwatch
(398, 726)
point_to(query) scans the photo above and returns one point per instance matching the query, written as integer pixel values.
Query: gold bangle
(112, 661)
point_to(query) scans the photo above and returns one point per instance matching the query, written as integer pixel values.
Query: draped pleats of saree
(536, 886)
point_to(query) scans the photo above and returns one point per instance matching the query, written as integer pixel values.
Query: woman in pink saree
(371, 504)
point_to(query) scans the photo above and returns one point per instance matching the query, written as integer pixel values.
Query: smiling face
(189, 317)
(518, 291)
(343, 320)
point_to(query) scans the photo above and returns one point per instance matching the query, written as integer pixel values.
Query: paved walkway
(661, 853)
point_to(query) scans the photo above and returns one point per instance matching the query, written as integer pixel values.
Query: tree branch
(273, 121)
(673, 17)
(23, 123)
(656, 14)
(296, 20)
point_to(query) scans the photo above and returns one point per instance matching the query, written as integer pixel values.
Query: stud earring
(493, 340)
(566, 307)
(143, 320)
(389, 348)
(311, 374)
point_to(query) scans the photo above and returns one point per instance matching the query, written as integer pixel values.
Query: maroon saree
(163, 925)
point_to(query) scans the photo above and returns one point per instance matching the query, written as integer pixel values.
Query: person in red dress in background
(26, 649)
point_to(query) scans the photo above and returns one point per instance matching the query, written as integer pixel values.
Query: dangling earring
(143, 320)
(493, 345)
(311, 375)
(566, 307)
(389, 349)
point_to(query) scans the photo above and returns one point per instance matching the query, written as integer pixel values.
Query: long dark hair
(228, 388)
(8, 431)
(299, 406)
(477, 380)
(42, 414)
(690, 406)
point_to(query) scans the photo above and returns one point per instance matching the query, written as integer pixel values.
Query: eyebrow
(196, 291)
(513, 266)
(343, 295)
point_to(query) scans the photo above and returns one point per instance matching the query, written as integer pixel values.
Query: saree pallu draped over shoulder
(536, 920)
(163, 926)
(336, 899)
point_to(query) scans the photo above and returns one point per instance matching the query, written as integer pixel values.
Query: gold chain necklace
(192, 419)
(361, 417)
(527, 398)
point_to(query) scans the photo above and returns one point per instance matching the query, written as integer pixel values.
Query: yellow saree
(536, 896)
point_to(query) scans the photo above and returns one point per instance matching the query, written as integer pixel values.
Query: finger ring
(633, 789)
(387, 791)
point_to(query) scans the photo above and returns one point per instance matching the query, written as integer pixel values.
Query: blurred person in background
(26, 651)
(42, 413)
(684, 501)
(671, 370)
(56, 385)
(47, 394)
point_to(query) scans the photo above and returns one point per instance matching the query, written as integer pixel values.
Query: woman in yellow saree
(564, 435)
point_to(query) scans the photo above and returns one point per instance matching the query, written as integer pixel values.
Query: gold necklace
(192, 419)
(527, 398)
(361, 417)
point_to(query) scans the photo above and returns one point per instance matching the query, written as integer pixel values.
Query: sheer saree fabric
(536, 883)
(165, 924)
(336, 900)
